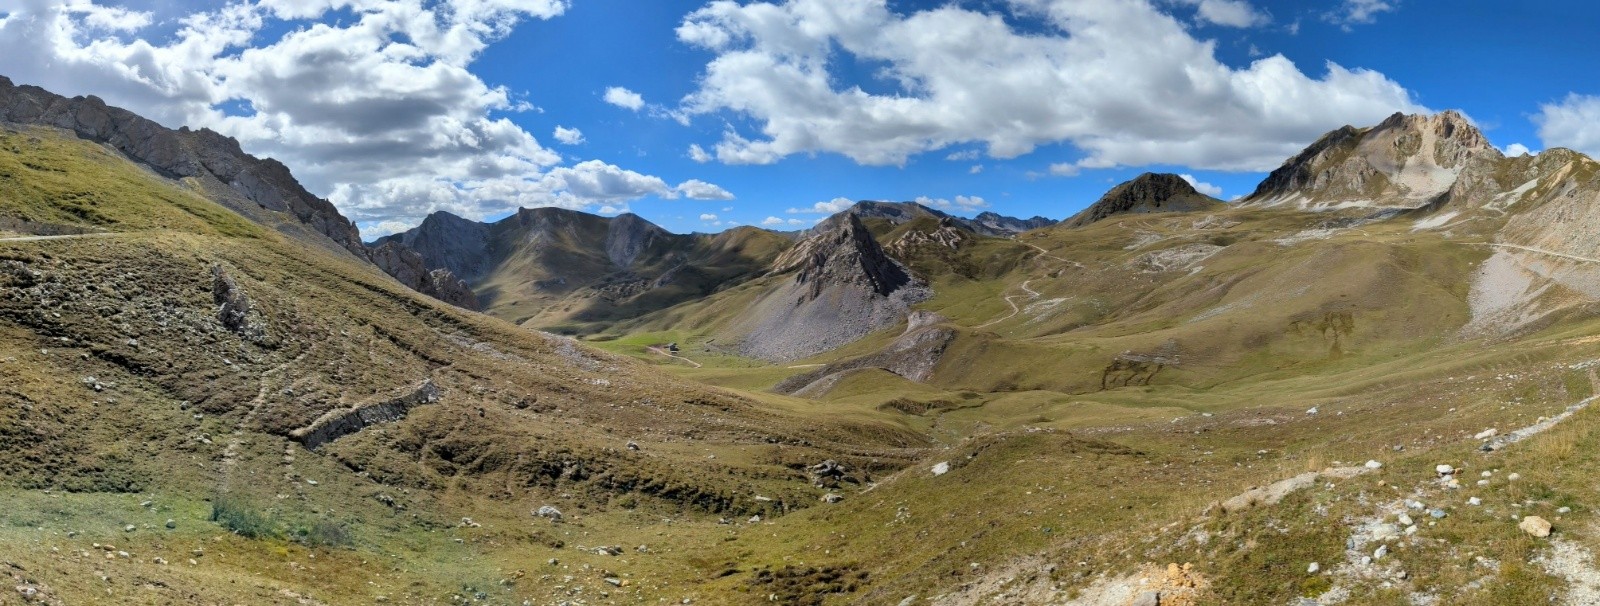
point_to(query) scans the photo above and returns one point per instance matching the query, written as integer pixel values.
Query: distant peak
(1165, 179)
(446, 216)
(1404, 161)
(1146, 193)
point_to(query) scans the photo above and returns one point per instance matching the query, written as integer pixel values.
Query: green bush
(242, 519)
(323, 534)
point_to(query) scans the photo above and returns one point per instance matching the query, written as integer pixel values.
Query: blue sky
(703, 115)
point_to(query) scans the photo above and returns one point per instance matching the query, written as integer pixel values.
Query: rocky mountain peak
(844, 287)
(845, 254)
(446, 241)
(1001, 224)
(899, 213)
(1404, 161)
(1146, 193)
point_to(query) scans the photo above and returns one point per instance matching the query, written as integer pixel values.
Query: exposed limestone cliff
(1406, 161)
(406, 266)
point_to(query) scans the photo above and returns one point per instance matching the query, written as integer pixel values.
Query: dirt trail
(1032, 294)
(230, 454)
(66, 237)
(1011, 300)
(669, 354)
(1045, 254)
(1546, 252)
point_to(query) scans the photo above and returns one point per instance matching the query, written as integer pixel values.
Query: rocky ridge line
(219, 161)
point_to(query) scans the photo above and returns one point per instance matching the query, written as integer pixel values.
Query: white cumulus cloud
(1573, 123)
(780, 222)
(1358, 12)
(699, 154)
(1230, 13)
(1518, 149)
(961, 203)
(624, 98)
(835, 205)
(569, 136)
(708, 217)
(695, 189)
(1120, 80)
(371, 104)
(1201, 186)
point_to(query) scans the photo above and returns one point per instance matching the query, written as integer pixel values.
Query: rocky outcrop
(346, 421)
(205, 155)
(1147, 193)
(1406, 161)
(946, 237)
(407, 267)
(234, 310)
(844, 287)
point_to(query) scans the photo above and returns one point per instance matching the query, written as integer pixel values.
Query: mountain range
(1366, 382)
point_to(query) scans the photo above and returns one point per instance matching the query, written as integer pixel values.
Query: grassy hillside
(161, 373)
(163, 367)
(550, 269)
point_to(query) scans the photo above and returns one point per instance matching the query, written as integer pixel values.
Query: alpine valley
(1367, 382)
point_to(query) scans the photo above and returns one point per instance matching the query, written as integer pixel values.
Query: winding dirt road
(1032, 294)
(669, 354)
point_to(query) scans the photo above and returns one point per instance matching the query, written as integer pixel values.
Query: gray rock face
(446, 241)
(203, 154)
(1147, 193)
(848, 255)
(629, 234)
(407, 267)
(1407, 160)
(340, 423)
(844, 287)
(233, 305)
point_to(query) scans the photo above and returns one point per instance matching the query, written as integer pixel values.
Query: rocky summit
(843, 287)
(1147, 193)
(1407, 160)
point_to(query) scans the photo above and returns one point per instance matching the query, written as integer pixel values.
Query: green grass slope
(163, 367)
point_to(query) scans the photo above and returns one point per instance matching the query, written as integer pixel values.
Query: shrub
(323, 534)
(241, 519)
